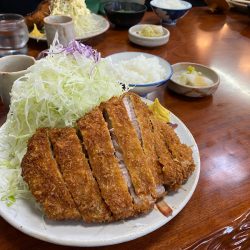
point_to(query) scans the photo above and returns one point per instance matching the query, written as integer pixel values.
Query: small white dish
(63, 26)
(144, 88)
(135, 37)
(194, 91)
(11, 68)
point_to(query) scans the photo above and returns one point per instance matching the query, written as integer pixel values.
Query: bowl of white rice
(143, 72)
(169, 11)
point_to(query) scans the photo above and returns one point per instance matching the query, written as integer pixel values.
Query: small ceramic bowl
(124, 14)
(194, 91)
(135, 37)
(63, 26)
(11, 68)
(144, 88)
(170, 15)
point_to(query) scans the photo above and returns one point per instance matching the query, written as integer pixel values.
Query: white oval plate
(24, 216)
(102, 26)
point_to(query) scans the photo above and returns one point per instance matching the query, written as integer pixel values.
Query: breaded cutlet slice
(77, 175)
(171, 169)
(134, 157)
(180, 152)
(182, 165)
(104, 165)
(39, 170)
(143, 115)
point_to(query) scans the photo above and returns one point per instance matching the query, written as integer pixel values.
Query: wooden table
(220, 125)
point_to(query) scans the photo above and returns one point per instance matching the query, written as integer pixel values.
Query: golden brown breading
(132, 151)
(117, 172)
(105, 168)
(38, 15)
(178, 163)
(180, 152)
(39, 170)
(77, 175)
(172, 173)
(143, 115)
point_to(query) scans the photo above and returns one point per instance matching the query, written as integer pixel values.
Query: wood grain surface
(220, 125)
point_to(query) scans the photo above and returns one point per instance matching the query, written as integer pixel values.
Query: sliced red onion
(85, 50)
(73, 46)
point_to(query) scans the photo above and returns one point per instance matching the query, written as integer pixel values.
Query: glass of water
(14, 34)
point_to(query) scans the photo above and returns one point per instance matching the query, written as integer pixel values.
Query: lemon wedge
(36, 33)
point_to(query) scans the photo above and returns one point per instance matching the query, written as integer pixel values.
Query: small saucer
(136, 38)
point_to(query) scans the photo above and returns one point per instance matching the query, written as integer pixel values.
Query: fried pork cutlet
(38, 15)
(40, 171)
(142, 114)
(175, 157)
(134, 157)
(180, 152)
(171, 161)
(105, 168)
(116, 167)
(77, 175)
(171, 170)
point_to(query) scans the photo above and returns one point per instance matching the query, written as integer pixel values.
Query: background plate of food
(86, 24)
(101, 26)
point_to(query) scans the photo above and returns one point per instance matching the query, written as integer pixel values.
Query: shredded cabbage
(58, 90)
(83, 20)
